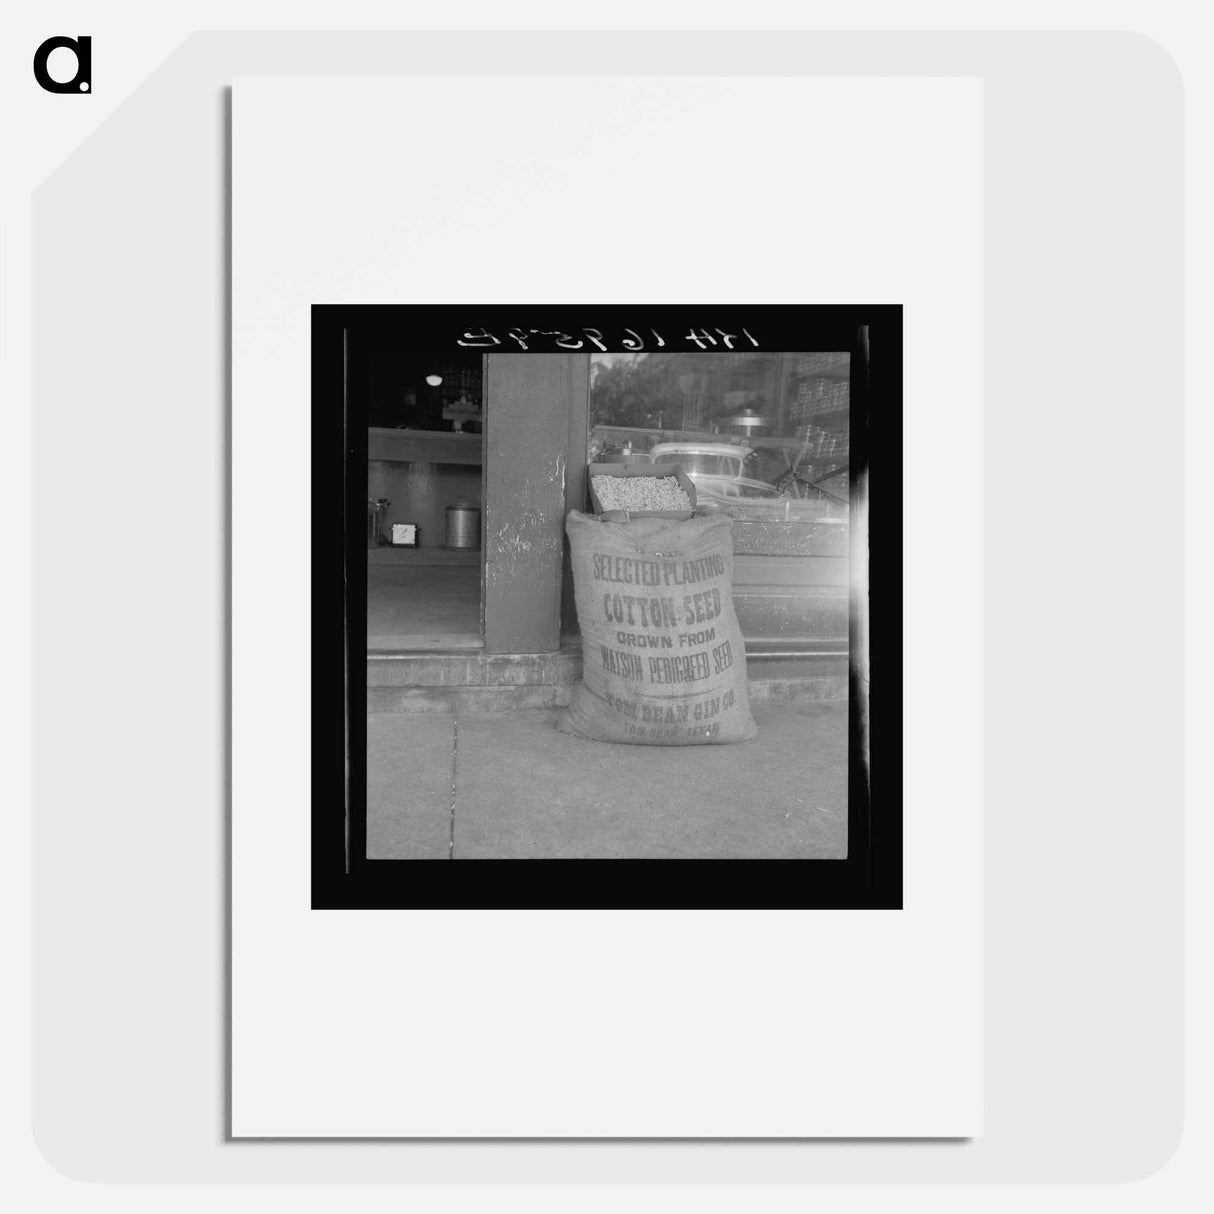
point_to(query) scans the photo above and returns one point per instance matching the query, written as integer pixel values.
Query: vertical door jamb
(527, 411)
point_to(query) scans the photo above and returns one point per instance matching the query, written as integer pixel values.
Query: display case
(765, 438)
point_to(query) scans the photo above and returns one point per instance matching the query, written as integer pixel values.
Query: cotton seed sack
(662, 657)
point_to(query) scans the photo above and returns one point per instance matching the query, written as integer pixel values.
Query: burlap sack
(662, 655)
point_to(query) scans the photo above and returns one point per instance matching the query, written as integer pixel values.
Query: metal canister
(463, 524)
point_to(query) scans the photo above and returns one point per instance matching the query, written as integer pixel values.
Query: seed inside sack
(640, 493)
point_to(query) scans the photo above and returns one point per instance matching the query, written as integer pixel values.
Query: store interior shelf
(828, 417)
(424, 446)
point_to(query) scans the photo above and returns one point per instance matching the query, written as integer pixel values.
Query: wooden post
(528, 400)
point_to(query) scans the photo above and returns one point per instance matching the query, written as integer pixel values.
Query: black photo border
(342, 878)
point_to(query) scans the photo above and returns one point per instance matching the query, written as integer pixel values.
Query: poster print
(586, 924)
(596, 585)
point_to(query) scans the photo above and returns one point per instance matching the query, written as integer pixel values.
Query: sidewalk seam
(454, 757)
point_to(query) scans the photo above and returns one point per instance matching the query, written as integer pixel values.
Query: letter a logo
(82, 81)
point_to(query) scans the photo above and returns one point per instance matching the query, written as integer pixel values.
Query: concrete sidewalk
(496, 785)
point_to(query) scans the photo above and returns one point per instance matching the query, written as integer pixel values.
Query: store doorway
(425, 462)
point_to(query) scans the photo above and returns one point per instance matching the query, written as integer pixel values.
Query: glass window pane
(762, 436)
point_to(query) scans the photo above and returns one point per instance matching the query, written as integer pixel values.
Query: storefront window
(762, 436)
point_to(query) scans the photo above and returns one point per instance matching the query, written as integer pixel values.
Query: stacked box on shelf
(824, 362)
(817, 397)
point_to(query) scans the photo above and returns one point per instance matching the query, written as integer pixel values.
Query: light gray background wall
(1083, 671)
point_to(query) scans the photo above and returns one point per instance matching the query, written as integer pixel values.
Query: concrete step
(778, 672)
(473, 668)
